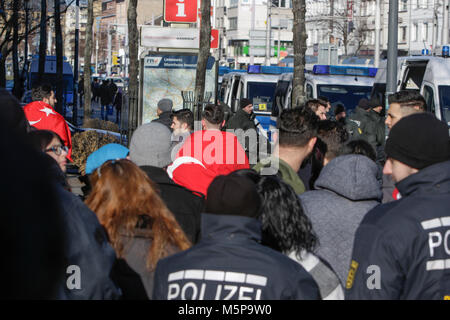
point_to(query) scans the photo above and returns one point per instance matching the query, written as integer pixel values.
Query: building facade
(347, 24)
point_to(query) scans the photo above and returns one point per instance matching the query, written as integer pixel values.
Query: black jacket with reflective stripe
(402, 248)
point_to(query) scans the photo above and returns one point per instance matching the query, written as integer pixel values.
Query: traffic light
(115, 60)
(119, 60)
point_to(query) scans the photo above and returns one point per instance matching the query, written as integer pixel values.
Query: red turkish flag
(43, 117)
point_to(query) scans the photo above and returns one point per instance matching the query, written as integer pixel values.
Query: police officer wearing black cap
(402, 248)
(244, 119)
(229, 262)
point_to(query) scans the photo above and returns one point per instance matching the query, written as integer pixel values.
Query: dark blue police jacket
(230, 263)
(402, 248)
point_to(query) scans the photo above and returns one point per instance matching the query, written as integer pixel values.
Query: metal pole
(75, 65)
(433, 40)
(25, 58)
(252, 57)
(377, 33)
(268, 27)
(391, 77)
(445, 23)
(279, 40)
(409, 27)
(109, 51)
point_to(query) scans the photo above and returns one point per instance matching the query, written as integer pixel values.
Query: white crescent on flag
(32, 123)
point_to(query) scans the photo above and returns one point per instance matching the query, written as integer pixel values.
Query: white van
(258, 85)
(427, 74)
(340, 84)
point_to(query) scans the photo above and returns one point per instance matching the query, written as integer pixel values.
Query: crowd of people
(109, 96)
(333, 212)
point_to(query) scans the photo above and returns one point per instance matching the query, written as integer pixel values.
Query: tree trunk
(3, 68)
(87, 62)
(203, 55)
(42, 40)
(17, 90)
(60, 89)
(299, 41)
(133, 89)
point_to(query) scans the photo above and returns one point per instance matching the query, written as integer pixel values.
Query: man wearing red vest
(42, 116)
(207, 153)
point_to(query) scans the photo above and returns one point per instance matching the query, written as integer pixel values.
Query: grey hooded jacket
(346, 190)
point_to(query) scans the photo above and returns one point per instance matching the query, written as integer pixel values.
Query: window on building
(403, 34)
(414, 31)
(424, 31)
(423, 4)
(234, 3)
(404, 5)
(233, 23)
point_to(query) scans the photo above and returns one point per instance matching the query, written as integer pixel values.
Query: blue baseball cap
(110, 151)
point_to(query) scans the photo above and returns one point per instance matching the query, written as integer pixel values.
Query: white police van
(340, 84)
(428, 75)
(257, 84)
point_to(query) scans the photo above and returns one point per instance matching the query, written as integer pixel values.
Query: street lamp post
(391, 79)
(268, 29)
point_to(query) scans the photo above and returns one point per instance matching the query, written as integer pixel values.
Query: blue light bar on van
(238, 70)
(254, 69)
(223, 70)
(269, 69)
(345, 70)
(321, 69)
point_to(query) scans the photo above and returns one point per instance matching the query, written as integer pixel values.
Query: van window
(413, 77)
(234, 94)
(309, 91)
(281, 92)
(444, 102)
(347, 95)
(428, 94)
(261, 93)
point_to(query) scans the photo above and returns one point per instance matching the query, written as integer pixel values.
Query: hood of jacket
(351, 176)
(229, 227)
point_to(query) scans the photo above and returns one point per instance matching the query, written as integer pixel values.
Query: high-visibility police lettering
(195, 291)
(434, 243)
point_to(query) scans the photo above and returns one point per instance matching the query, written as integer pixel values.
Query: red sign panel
(214, 38)
(180, 10)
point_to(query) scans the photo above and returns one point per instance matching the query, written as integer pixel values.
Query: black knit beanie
(419, 140)
(233, 195)
(245, 102)
(364, 104)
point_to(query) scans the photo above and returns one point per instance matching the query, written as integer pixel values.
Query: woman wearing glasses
(50, 143)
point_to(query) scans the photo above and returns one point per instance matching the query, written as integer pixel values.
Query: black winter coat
(230, 263)
(401, 249)
(185, 205)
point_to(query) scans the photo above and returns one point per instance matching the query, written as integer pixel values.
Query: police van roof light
(445, 51)
(345, 70)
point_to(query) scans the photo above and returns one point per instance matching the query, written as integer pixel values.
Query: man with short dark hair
(229, 262)
(207, 153)
(402, 104)
(297, 135)
(401, 248)
(182, 121)
(42, 116)
(319, 107)
(182, 127)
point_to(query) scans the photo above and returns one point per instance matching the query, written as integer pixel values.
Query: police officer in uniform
(401, 248)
